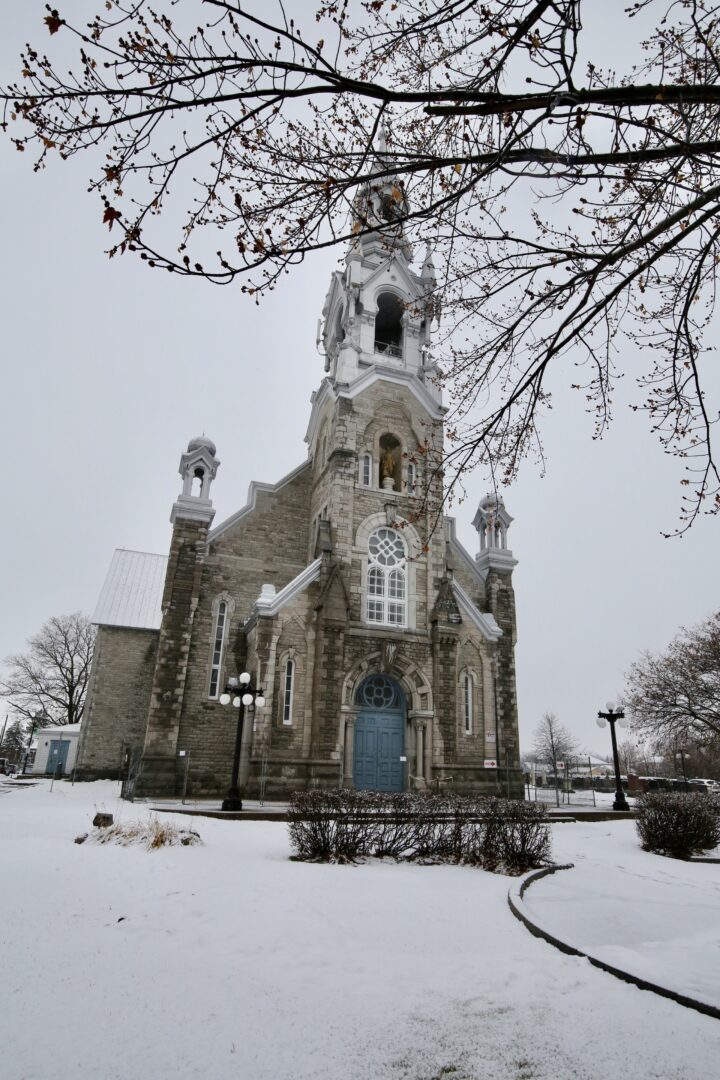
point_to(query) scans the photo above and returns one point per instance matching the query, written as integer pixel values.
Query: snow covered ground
(229, 961)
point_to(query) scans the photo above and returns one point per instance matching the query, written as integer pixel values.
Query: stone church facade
(385, 651)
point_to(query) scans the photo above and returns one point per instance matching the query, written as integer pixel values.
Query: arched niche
(390, 462)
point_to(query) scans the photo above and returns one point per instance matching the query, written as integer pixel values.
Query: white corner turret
(198, 468)
(492, 522)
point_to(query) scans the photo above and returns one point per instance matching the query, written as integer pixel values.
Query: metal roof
(133, 589)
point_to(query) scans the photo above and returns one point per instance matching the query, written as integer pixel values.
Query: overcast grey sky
(108, 368)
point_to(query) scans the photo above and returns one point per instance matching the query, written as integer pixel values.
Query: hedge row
(678, 824)
(344, 826)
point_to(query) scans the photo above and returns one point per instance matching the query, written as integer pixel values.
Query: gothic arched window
(386, 578)
(366, 470)
(218, 642)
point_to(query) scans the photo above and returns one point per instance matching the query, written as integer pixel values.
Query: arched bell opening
(388, 325)
(198, 483)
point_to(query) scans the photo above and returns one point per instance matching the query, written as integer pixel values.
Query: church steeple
(378, 311)
(379, 205)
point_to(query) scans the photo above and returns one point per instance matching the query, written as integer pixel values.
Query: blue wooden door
(57, 756)
(378, 750)
(379, 736)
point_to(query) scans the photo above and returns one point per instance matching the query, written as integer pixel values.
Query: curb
(516, 905)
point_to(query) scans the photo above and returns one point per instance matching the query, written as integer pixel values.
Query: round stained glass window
(379, 692)
(386, 548)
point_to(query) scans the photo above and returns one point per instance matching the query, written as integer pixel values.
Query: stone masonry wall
(268, 545)
(118, 700)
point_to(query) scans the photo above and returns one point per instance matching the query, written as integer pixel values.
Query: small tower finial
(198, 468)
(492, 522)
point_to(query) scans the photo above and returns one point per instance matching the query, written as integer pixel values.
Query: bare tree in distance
(629, 756)
(572, 211)
(674, 697)
(553, 743)
(51, 677)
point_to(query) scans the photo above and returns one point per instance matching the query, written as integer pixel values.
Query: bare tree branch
(573, 212)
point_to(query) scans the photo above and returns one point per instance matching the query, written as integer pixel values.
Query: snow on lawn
(653, 916)
(227, 960)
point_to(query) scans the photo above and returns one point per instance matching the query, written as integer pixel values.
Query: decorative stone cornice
(496, 559)
(190, 508)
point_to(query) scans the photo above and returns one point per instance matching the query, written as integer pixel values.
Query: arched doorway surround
(379, 744)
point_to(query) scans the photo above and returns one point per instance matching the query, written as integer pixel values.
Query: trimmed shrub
(678, 824)
(343, 826)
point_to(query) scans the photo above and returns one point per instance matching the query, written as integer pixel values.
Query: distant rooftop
(60, 729)
(133, 589)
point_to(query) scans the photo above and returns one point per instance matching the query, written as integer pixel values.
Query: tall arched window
(411, 481)
(218, 642)
(386, 578)
(468, 703)
(366, 470)
(287, 692)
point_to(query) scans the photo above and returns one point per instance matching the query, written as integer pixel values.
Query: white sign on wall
(489, 736)
(490, 763)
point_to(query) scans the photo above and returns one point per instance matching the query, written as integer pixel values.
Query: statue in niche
(387, 469)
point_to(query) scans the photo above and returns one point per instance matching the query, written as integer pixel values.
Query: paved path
(656, 917)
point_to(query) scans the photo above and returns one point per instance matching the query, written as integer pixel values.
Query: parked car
(704, 785)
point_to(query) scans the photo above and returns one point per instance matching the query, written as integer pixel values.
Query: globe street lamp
(241, 694)
(613, 716)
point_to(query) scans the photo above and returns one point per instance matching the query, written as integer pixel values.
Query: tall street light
(241, 694)
(613, 716)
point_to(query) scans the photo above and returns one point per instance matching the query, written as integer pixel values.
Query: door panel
(379, 743)
(57, 755)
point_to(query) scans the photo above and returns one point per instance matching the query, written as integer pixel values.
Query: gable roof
(255, 487)
(133, 590)
(272, 602)
(374, 373)
(483, 621)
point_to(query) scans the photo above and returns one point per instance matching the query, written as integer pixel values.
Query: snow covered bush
(343, 826)
(677, 823)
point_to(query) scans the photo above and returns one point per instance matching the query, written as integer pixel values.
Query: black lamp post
(241, 694)
(612, 716)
